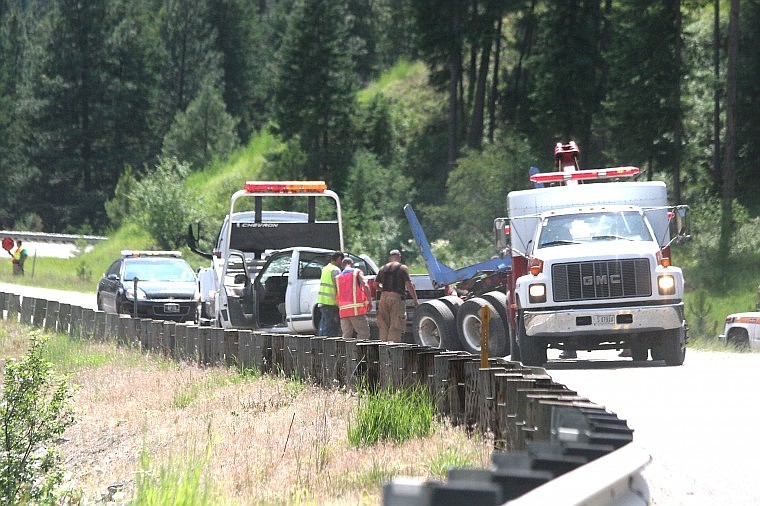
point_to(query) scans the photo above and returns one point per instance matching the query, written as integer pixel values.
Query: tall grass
(395, 416)
(178, 482)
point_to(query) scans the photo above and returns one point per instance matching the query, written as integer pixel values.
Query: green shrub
(163, 206)
(35, 410)
(391, 416)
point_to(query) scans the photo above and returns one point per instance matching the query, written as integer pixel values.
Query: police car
(149, 284)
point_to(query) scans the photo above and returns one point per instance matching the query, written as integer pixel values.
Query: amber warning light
(285, 186)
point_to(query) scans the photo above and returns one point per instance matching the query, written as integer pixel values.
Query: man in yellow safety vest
(19, 257)
(329, 323)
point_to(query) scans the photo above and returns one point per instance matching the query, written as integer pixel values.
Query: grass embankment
(166, 433)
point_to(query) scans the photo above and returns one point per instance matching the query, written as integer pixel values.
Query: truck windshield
(588, 227)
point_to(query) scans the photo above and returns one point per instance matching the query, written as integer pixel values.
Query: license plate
(171, 308)
(604, 319)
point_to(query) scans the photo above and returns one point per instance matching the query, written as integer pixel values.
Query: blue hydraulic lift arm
(440, 274)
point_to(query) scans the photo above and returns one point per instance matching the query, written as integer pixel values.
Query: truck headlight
(537, 293)
(666, 284)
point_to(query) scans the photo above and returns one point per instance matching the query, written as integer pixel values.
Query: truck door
(303, 289)
(235, 302)
(270, 287)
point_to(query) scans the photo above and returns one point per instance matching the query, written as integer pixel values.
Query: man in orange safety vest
(353, 301)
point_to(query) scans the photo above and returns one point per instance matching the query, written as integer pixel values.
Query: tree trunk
(454, 78)
(477, 117)
(678, 128)
(716, 176)
(729, 155)
(495, 81)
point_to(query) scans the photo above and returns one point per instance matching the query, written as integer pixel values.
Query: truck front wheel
(532, 351)
(672, 347)
(435, 326)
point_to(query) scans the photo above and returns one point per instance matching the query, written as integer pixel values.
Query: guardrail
(547, 438)
(55, 238)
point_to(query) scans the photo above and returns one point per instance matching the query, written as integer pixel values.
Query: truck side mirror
(501, 233)
(240, 279)
(681, 220)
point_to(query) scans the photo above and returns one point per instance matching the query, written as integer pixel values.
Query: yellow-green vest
(327, 289)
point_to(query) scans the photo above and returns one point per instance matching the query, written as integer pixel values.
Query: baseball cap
(394, 252)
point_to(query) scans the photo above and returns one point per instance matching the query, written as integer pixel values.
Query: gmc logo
(612, 279)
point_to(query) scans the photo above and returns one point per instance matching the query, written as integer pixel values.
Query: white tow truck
(587, 266)
(266, 264)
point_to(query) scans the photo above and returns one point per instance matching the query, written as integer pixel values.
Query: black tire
(452, 302)
(639, 353)
(671, 348)
(469, 328)
(739, 339)
(99, 303)
(499, 301)
(532, 351)
(435, 326)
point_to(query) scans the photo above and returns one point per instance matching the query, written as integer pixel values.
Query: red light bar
(285, 186)
(591, 174)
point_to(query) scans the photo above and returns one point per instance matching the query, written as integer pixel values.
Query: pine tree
(314, 90)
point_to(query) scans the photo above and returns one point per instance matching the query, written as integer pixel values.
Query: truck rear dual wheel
(469, 325)
(435, 326)
(672, 347)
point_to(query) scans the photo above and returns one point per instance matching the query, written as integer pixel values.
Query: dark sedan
(163, 285)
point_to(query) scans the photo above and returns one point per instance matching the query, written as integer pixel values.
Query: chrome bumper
(627, 320)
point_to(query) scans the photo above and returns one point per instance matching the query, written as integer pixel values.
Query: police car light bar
(128, 253)
(590, 174)
(285, 186)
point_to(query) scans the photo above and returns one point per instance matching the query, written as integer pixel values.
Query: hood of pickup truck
(601, 249)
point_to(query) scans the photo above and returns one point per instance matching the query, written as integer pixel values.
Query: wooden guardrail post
(27, 308)
(124, 330)
(14, 305)
(64, 318)
(111, 328)
(262, 351)
(3, 304)
(231, 348)
(179, 352)
(40, 307)
(245, 349)
(303, 358)
(51, 315)
(321, 356)
(99, 326)
(75, 329)
(88, 322)
(192, 343)
(168, 338)
(289, 355)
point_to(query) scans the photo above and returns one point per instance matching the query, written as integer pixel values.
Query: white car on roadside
(742, 330)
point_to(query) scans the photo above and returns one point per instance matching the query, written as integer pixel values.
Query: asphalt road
(700, 422)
